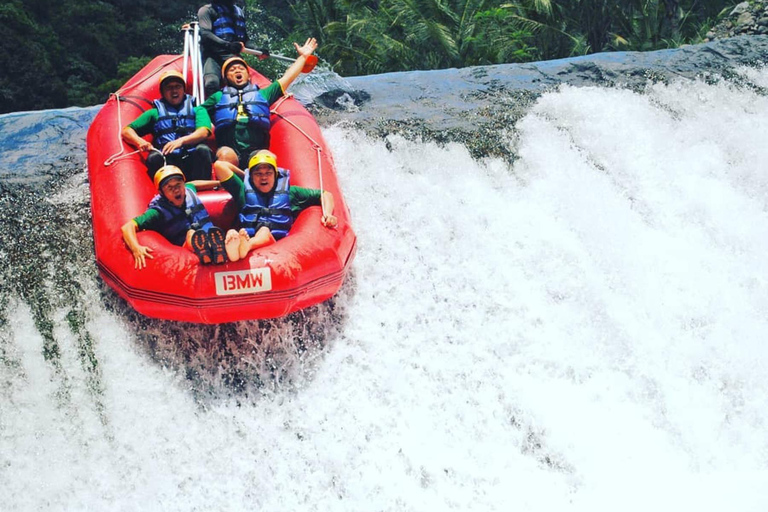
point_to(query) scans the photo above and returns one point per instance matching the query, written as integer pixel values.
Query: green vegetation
(62, 53)
(372, 36)
(75, 52)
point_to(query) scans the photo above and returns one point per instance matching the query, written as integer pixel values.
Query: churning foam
(582, 329)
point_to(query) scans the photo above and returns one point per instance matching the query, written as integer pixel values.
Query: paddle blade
(310, 64)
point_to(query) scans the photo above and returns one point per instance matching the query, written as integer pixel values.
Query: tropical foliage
(370, 36)
(62, 53)
(74, 52)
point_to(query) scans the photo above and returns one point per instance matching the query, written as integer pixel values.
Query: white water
(583, 331)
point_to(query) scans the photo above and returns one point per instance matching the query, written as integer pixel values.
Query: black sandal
(216, 245)
(200, 246)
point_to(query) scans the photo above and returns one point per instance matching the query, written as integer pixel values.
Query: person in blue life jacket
(177, 213)
(222, 35)
(267, 202)
(179, 130)
(240, 111)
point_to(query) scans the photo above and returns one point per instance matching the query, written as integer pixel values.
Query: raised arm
(329, 220)
(140, 252)
(294, 70)
(130, 136)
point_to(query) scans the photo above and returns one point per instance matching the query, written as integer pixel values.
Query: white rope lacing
(315, 146)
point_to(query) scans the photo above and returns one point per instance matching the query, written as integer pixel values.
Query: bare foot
(232, 244)
(263, 237)
(244, 244)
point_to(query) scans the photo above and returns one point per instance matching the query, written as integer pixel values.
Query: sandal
(218, 249)
(200, 246)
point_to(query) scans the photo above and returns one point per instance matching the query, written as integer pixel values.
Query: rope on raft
(315, 146)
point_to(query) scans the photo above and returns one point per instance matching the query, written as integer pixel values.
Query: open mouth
(264, 186)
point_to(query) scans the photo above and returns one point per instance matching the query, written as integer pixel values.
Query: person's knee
(227, 154)
(211, 84)
(204, 153)
(154, 162)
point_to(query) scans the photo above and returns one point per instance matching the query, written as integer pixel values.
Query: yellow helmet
(263, 156)
(169, 75)
(231, 61)
(169, 171)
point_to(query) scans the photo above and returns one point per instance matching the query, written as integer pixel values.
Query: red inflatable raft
(305, 268)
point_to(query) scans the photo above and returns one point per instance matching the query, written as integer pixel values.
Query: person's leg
(211, 76)
(182, 163)
(227, 154)
(198, 163)
(154, 162)
(232, 243)
(262, 237)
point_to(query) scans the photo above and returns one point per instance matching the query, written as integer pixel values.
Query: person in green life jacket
(179, 131)
(177, 213)
(267, 202)
(222, 36)
(240, 111)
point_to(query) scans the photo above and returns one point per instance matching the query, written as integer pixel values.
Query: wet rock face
(746, 18)
(476, 106)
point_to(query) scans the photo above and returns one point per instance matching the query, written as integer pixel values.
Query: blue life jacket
(177, 221)
(254, 106)
(271, 210)
(230, 23)
(173, 123)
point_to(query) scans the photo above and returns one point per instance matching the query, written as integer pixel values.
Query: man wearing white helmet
(179, 130)
(178, 214)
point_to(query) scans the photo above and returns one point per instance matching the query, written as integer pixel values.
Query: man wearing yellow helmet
(179, 131)
(267, 202)
(177, 213)
(222, 35)
(240, 111)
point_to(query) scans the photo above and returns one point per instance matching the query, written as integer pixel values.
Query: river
(566, 312)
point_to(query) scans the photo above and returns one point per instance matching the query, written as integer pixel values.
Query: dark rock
(740, 8)
(477, 104)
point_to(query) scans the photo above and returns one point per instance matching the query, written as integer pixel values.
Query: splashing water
(579, 329)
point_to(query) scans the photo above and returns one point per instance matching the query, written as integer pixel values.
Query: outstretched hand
(309, 47)
(139, 255)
